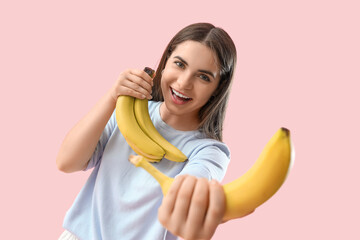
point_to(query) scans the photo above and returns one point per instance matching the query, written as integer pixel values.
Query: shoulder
(208, 158)
(201, 147)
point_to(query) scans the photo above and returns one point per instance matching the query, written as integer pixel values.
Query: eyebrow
(200, 70)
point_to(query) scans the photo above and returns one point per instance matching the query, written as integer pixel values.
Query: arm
(80, 142)
(195, 206)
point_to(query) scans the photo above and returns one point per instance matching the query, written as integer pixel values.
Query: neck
(188, 122)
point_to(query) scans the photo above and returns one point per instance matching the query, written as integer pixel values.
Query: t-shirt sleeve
(97, 154)
(208, 161)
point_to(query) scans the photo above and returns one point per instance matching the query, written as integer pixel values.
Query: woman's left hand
(193, 207)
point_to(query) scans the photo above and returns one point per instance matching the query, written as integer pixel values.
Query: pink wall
(298, 67)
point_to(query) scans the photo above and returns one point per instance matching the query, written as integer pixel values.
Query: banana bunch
(253, 188)
(133, 120)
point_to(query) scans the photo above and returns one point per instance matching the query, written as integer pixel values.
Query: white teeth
(179, 94)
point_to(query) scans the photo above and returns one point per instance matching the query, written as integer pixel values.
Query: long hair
(212, 114)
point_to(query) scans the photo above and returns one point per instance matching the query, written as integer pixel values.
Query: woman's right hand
(133, 82)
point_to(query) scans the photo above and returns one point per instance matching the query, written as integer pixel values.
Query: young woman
(189, 96)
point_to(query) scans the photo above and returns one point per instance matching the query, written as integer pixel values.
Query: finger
(143, 75)
(216, 208)
(137, 83)
(198, 208)
(140, 82)
(127, 84)
(168, 203)
(183, 199)
(125, 91)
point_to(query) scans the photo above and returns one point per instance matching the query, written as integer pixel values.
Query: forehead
(197, 55)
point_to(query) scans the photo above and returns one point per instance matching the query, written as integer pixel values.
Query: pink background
(298, 67)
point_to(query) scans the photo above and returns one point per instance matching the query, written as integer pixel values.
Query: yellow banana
(253, 188)
(143, 118)
(262, 180)
(132, 132)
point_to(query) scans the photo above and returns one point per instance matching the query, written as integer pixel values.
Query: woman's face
(190, 77)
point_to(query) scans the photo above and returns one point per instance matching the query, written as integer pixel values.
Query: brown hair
(212, 114)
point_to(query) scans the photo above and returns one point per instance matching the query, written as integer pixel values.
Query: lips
(178, 97)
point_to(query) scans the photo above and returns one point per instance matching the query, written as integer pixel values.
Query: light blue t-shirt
(121, 201)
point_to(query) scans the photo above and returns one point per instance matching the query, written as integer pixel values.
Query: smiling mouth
(179, 97)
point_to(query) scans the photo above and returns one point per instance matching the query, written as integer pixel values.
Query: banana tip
(149, 71)
(135, 160)
(286, 131)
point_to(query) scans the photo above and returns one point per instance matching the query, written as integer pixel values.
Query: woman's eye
(204, 77)
(179, 64)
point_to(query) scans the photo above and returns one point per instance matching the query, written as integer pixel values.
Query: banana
(263, 179)
(143, 118)
(132, 132)
(253, 188)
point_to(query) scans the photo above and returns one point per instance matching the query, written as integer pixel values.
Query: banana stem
(164, 181)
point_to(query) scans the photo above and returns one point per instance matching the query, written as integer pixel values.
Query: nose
(184, 80)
